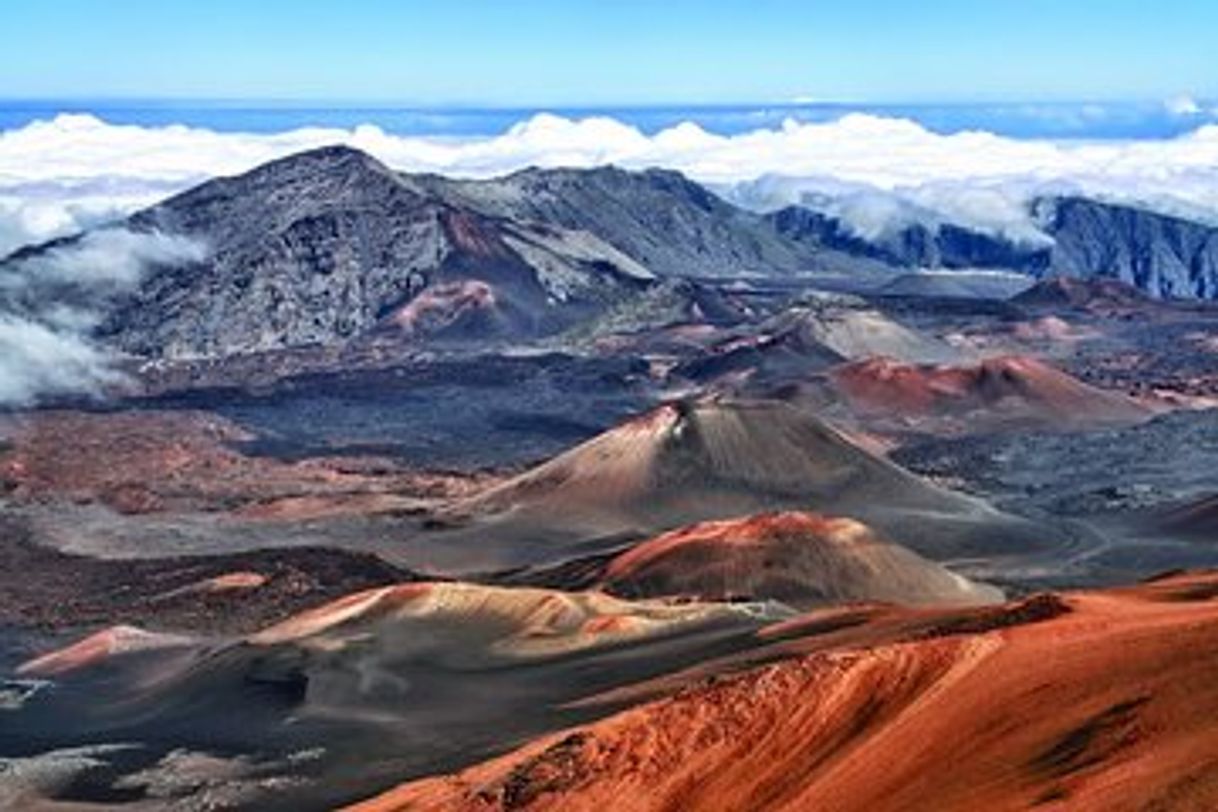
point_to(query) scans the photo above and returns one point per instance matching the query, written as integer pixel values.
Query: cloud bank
(50, 302)
(76, 170)
(38, 361)
(72, 172)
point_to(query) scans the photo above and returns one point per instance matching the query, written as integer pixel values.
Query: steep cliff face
(1166, 257)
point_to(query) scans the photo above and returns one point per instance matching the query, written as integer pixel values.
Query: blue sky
(550, 52)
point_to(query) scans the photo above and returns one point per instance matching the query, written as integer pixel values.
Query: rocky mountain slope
(666, 222)
(1163, 256)
(330, 246)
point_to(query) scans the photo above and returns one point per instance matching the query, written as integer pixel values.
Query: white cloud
(37, 360)
(34, 215)
(1183, 106)
(50, 302)
(104, 259)
(988, 205)
(75, 170)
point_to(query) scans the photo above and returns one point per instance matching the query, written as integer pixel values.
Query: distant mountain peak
(336, 161)
(330, 154)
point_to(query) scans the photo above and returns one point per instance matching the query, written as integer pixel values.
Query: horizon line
(308, 102)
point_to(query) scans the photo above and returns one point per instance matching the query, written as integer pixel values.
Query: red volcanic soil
(443, 304)
(149, 461)
(1006, 389)
(473, 236)
(1106, 702)
(800, 558)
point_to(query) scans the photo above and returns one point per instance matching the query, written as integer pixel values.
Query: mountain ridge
(331, 246)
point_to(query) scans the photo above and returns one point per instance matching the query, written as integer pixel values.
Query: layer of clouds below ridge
(74, 171)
